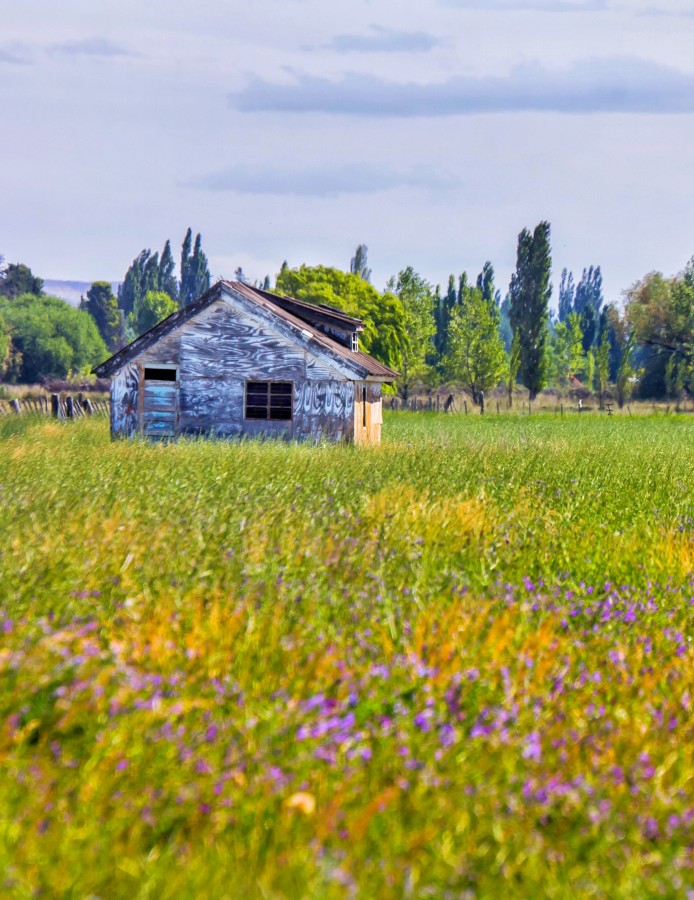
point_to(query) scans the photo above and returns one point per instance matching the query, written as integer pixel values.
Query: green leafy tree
(476, 354)
(626, 373)
(417, 299)
(150, 310)
(5, 343)
(359, 264)
(505, 330)
(50, 338)
(567, 350)
(530, 293)
(385, 335)
(102, 306)
(513, 367)
(602, 365)
(660, 311)
(589, 370)
(17, 279)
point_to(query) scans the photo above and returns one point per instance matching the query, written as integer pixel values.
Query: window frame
(268, 403)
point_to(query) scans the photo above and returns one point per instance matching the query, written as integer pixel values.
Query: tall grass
(460, 662)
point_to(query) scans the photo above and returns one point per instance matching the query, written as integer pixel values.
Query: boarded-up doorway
(159, 398)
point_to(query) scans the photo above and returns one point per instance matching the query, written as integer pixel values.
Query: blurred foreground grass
(460, 662)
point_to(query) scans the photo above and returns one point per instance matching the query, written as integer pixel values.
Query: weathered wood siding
(368, 416)
(125, 401)
(216, 353)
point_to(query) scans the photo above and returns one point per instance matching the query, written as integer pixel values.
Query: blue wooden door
(159, 405)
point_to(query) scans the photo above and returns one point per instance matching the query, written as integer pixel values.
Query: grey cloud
(383, 40)
(14, 55)
(531, 5)
(320, 181)
(90, 47)
(588, 86)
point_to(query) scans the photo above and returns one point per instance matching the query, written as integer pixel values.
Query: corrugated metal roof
(369, 366)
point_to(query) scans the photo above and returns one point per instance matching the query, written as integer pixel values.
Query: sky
(433, 132)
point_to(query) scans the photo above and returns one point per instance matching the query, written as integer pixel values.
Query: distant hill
(71, 290)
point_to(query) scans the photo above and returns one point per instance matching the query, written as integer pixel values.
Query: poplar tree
(530, 292)
(102, 305)
(186, 262)
(201, 270)
(359, 264)
(132, 288)
(567, 290)
(195, 272)
(167, 272)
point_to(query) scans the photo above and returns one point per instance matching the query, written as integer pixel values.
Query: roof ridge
(362, 361)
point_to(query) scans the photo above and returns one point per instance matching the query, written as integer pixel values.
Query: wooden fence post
(55, 406)
(70, 408)
(14, 403)
(465, 405)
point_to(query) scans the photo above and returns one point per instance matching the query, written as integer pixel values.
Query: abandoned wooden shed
(241, 361)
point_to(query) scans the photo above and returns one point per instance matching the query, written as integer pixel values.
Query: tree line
(468, 334)
(42, 336)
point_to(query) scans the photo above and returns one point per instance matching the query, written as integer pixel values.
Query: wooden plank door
(159, 404)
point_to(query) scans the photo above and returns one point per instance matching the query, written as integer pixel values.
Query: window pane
(257, 390)
(153, 374)
(256, 412)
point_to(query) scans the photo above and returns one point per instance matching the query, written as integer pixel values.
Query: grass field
(458, 665)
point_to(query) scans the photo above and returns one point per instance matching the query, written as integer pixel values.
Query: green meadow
(456, 665)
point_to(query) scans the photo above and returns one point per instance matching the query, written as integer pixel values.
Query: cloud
(320, 181)
(383, 40)
(14, 55)
(588, 86)
(90, 47)
(531, 5)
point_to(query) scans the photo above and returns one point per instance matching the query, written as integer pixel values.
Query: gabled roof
(299, 315)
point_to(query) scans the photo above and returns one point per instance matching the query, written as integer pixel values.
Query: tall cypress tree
(588, 304)
(485, 283)
(195, 272)
(102, 305)
(132, 288)
(150, 275)
(167, 273)
(359, 264)
(530, 293)
(186, 261)
(567, 290)
(201, 270)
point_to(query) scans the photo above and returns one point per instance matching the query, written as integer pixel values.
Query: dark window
(152, 374)
(269, 400)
